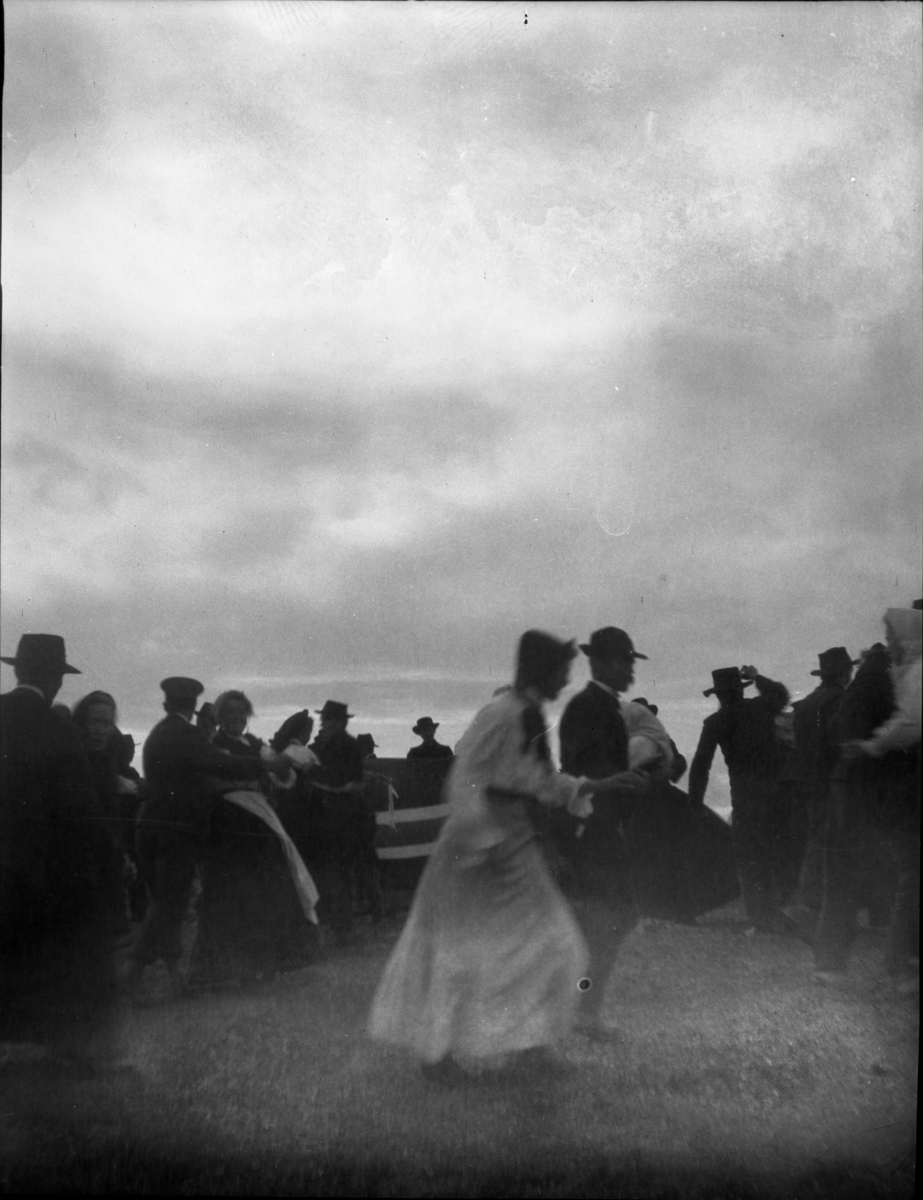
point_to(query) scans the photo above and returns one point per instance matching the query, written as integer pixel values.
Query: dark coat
(433, 750)
(59, 878)
(816, 748)
(746, 732)
(178, 758)
(594, 742)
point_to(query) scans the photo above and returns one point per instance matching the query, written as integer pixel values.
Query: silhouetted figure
(339, 819)
(252, 918)
(595, 730)
(173, 822)
(59, 871)
(425, 729)
(875, 794)
(747, 734)
(816, 753)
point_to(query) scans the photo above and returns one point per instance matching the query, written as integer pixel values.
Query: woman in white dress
(490, 961)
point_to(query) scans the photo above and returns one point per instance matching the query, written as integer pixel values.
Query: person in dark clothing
(745, 729)
(173, 821)
(338, 819)
(95, 716)
(816, 753)
(59, 873)
(594, 735)
(425, 729)
(874, 799)
(251, 921)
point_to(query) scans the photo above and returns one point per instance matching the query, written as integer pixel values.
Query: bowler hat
(610, 643)
(333, 708)
(647, 704)
(42, 652)
(834, 660)
(425, 723)
(179, 687)
(366, 743)
(726, 679)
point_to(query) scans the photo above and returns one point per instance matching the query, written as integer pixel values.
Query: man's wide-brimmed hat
(726, 679)
(43, 652)
(610, 643)
(540, 654)
(180, 687)
(333, 708)
(834, 660)
(425, 723)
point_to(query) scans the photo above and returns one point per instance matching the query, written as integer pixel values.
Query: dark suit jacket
(816, 749)
(594, 742)
(53, 840)
(178, 758)
(436, 750)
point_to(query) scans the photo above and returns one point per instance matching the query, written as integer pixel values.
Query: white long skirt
(490, 958)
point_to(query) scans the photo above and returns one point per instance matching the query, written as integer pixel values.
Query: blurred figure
(490, 959)
(747, 734)
(257, 899)
(367, 746)
(425, 729)
(95, 717)
(205, 720)
(59, 872)
(678, 766)
(173, 822)
(816, 753)
(339, 818)
(595, 730)
(876, 787)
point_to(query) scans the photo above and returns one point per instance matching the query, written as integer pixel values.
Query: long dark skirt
(250, 919)
(682, 858)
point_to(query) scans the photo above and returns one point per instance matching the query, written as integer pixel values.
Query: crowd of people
(537, 876)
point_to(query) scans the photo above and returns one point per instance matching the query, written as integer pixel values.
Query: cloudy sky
(344, 342)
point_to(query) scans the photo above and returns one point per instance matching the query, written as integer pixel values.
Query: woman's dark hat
(333, 708)
(610, 643)
(42, 652)
(179, 687)
(540, 654)
(425, 723)
(726, 679)
(834, 660)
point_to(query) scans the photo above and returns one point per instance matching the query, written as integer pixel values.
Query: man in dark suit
(425, 729)
(59, 872)
(172, 822)
(755, 755)
(816, 754)
(594, 732)
(340, 814)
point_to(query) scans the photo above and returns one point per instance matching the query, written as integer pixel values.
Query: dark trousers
(168, 866)
(860, 826)
(762, 847)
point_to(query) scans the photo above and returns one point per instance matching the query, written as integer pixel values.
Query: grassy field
(740, 1078)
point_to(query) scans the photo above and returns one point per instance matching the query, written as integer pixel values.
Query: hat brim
(64, 668)
(320, 713)
(589, 652)
(418, 728)
(744, 683)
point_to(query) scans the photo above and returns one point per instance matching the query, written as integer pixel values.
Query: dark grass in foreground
(740, 1078)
